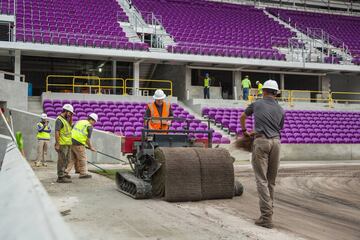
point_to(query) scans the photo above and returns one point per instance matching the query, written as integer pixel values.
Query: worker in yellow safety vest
(156, 109)
(260, 91)
(207, 82)
(81, 134)
(246, 86)
(63, 141)
(43, 137)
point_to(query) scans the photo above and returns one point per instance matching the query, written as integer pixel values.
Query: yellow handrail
(150, 88)
(293, 98)
(73, 83)
(345, 93)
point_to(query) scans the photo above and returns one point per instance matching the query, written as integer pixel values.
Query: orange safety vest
(157, 124)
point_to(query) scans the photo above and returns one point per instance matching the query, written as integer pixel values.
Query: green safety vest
(260, 89)
(19, 141)
(80, 131)
(207, 82)
(43, 135)
(246, 83)
(65, 132)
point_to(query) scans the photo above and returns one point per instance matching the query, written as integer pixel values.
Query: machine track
(132, 186)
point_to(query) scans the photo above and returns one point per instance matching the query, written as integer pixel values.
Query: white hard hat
(257, 82)
(159, 94)
(43, 116)
(94, 116)
(271, 84)
(69, 108)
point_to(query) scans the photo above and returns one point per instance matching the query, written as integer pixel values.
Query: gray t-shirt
(268, 115)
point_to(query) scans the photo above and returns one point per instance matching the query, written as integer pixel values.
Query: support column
(237, 84)
(282, 81)
(136, 74)
(188, 82)
(17, 65)
(114, 75)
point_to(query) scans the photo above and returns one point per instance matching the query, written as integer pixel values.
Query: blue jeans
(245, 93)
(206, 93)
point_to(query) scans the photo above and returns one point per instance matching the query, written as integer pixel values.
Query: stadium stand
(74, 23)
(301, 126)
(7, 7)
(126, 118)
(345, 28)
(209, 28)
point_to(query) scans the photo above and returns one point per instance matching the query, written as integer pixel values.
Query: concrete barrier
(103, 141)
(26, 209)
(14, 93)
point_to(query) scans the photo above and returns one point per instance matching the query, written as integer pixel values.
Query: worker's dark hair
(270, 91)
(90, 118)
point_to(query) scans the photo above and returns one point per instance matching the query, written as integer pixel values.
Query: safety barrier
(84, 84)
(149, 90)
(98, 85)
(309, 96)
(344, 97)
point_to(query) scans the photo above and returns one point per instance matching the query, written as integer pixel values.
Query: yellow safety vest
(207, 82)
(80, 131)
(43, 135)
(65, 132)
(260, 91)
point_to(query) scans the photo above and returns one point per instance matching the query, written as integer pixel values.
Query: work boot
(63, 180)
(77, 172)
(67, 176)
(44, 164)
(37, 164)
(85, 176)
(267, 223)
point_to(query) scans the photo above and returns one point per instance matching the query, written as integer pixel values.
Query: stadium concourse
(211, 59)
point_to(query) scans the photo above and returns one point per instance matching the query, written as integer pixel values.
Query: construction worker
(246, 86)
(43, 137)
(269, 120)
(207, 81)
(63, 141)
(81, 134)
(259, 91)
(159, 108)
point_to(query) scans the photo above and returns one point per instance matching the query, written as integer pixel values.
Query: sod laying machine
(172, 165)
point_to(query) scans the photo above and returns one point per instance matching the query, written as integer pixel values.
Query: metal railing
(100, 85)
(88, 84)
(129, 88)
(5, 75)
(343, 97)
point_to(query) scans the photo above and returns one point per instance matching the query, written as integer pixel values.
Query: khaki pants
(265, 162)
(78, 157)
(63, 159)
(42, 150)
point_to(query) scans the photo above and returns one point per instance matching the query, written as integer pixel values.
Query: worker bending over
(81, 135)
(269, 120)
(156, 109)
(43, 137)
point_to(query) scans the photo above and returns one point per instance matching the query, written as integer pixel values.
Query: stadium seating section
(345, 28)
(73, 22)
(7, 7)
(209, 28)
(300, 126)
(126, 118)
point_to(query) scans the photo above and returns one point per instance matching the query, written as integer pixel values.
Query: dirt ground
(313, 201)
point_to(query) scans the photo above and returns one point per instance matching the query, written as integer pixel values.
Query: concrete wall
(26, 209)
(100, 97)
(308, 152)
(14, 93)
(305, 152)
(198, 92)
(104, 142)
(345, 83)
(175, 73)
